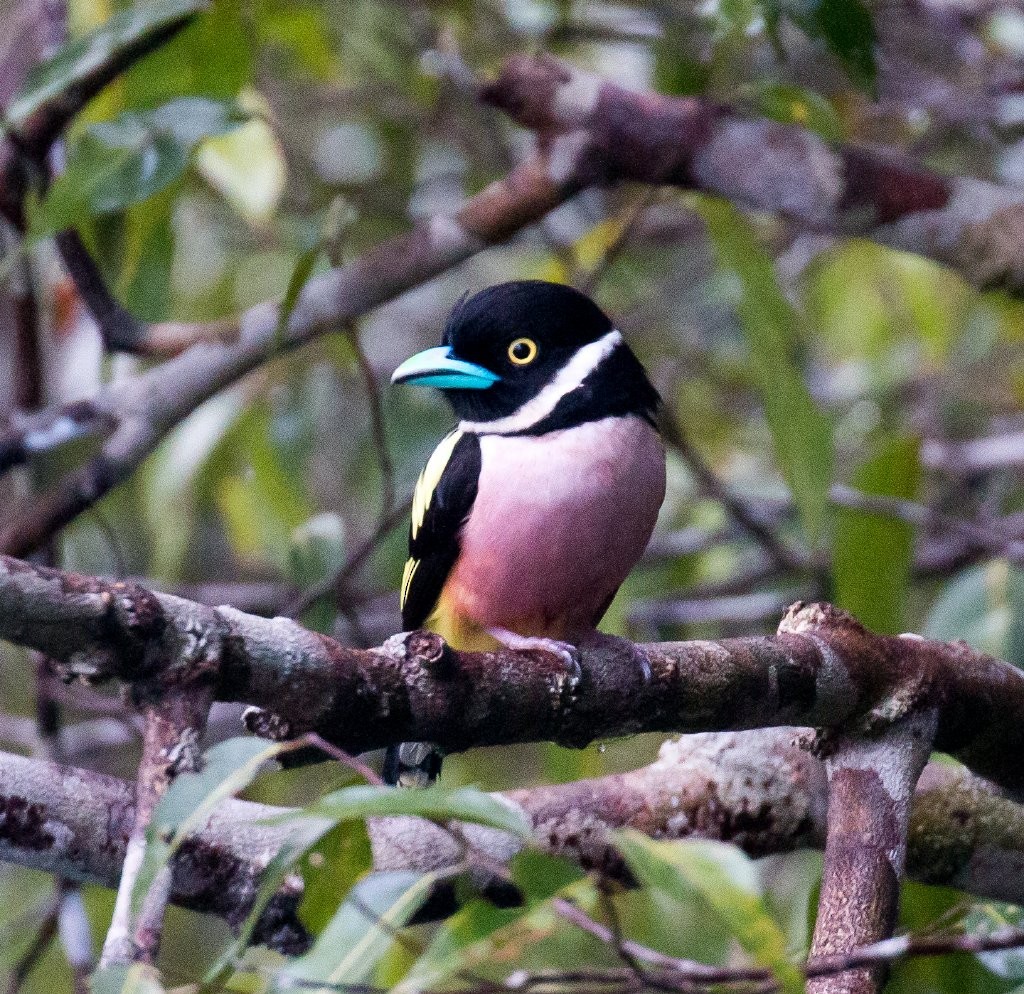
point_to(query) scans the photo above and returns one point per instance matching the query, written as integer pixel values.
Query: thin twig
(627, 956)
(338, 582)
(690, 969)
(44, 935)
(785, 558)
(378, 428)
(589, 281)
(120, 330)
(987, 536)
(345, 758)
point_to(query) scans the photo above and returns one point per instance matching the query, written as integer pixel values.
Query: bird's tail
(412, 764)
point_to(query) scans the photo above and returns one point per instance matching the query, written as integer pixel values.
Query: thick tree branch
(761, 790)
(970, 224)
(77, 824)
(173, 725)
(823, 669)
(871, 784)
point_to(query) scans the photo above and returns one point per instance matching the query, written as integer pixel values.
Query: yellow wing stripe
(429, 479)
(411, 565)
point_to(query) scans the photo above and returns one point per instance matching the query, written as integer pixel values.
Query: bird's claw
(569, 653)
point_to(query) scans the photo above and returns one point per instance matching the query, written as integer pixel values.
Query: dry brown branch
(970, 224)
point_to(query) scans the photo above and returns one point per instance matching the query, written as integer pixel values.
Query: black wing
(441, 503)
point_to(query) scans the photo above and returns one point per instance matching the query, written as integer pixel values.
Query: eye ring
(522, 351)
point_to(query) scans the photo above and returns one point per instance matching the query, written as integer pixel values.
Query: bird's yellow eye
(522, 351)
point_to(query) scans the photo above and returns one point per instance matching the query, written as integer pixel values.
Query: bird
(528, 516)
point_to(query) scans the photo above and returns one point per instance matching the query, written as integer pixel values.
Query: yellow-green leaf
(727, 880)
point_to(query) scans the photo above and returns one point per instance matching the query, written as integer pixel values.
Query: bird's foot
(524, 643)
(621, 647)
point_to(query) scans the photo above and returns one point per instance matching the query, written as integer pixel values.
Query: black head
(553, 357)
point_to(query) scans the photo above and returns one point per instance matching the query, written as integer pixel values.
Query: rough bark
(871, 784)
(762, 790)
(971, 224)
(173, 726)
(77, 823)
(823, 669)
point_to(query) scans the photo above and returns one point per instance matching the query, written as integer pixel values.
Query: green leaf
(212, 57)
(872, 553)
(266, 497)
(678, 71)
(993, 916)
(82, 58)
(926, 910)
(118, 163)
(138, 978)
(300, 37)
(468, 937)
(844, 25)
(140, 263)
(727, 880)
(479, 929)
(361, 931)
(793, 104)
(479, 934)
(983, 606)
(847, 29)
(802, 433)
(435, 803)
(539, 875)
(317, 552)
(300, 277)
(229, 767)
(330, 870)
(302, 837)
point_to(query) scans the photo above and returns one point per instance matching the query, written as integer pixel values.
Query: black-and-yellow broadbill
(530, 514)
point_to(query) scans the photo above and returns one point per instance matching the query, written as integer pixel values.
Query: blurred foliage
(272, 138)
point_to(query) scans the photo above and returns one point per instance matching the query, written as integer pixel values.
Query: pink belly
(558, 522)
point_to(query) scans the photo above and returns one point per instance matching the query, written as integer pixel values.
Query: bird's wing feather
(442, 501)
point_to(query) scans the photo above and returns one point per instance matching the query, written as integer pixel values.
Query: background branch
(762, 790)
(684, 142)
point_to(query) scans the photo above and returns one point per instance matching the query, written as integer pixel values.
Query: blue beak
(437, 367)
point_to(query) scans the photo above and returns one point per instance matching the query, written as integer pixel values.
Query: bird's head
(528, 357)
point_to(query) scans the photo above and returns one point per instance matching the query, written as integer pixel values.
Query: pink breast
(559, 521)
